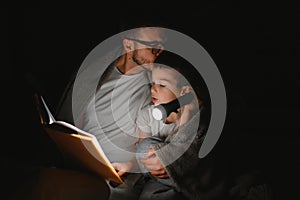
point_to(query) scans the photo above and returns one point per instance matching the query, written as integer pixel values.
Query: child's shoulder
(146, 112)
(147, 107)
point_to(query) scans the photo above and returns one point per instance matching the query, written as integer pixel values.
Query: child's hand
(187, 110)
(122, 168)
(194, 104)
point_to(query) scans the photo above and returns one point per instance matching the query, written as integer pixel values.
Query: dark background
(255, 45)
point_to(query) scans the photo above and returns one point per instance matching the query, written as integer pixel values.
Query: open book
(78, 147)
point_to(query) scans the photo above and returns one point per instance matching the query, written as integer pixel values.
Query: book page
(51, 118)
(83, 152)
(84, 133)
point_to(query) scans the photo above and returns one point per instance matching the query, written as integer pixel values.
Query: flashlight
(162, 111)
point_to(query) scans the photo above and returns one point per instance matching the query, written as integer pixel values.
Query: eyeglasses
(156, 47)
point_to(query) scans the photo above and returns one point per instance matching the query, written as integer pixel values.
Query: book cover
(79, 148)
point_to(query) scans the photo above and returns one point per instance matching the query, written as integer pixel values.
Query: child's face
(164, 85)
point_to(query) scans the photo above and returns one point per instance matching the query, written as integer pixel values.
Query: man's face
(147, 45)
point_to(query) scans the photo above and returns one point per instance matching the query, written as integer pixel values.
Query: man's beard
(145, 64)
(135, 59)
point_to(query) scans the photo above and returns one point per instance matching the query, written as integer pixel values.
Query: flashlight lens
(157, 114)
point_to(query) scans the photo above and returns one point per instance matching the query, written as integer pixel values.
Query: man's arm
(170, 151)
(154, 165)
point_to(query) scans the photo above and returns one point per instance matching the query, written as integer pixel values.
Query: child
(167, 85)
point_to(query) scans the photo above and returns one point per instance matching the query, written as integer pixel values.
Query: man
(110, 114)
(108, 107)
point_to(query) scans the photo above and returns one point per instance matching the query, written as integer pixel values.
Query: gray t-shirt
(111, 115)
(148, 124)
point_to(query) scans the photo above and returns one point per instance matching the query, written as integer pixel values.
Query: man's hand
(122, 168)
(154, 166)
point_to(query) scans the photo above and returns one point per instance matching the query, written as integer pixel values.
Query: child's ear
(185, 89)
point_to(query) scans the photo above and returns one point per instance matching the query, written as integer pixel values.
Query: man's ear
(128, 45)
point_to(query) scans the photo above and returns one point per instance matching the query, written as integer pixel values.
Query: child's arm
(188, 110)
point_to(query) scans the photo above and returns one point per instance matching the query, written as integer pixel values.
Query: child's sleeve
(144, 119)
